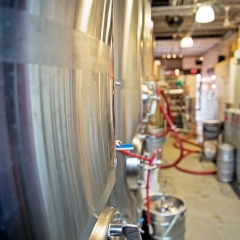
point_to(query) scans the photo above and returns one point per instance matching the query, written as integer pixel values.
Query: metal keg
(238, 165)
(228, 113)
(168, 215)
(225, 162)
(236, 128)
(211, 130)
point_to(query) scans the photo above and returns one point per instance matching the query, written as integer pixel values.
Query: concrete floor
(213, 209)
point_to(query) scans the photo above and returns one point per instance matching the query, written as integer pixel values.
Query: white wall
(210, 60)
(225, 45)
(190, 81)
(224, 83)
(235, 78)
(211, 57)
(222, 72)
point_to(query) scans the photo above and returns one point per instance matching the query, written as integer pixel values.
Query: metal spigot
(129, 231)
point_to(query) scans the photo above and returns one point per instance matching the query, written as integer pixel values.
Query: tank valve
(129, 231)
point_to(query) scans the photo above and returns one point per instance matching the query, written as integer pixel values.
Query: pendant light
(205, 14)
(186, 42)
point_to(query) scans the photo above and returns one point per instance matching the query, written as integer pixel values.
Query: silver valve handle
(129, 231)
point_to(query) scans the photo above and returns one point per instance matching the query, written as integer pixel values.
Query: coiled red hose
(179, 142)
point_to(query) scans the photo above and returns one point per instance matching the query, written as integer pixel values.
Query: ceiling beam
(182, 10)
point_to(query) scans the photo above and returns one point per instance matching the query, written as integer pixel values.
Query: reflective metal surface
(147, 43)
(238, 165)
(236, 128)
(128, 231)
(211, 131)
(57, 154)
(228, 131)
(110, 226)
(132, 172)
(101, 228)
(225, 162)
(172, 218)
(127, 33)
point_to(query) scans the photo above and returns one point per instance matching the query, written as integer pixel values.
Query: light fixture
(174, 56)
(169, 56)
(204, 86)
(177, 72)
(180, 56)
(198, 78)
(213, 77)
(186, 42)
(203, 79)
(157, 62)
(201, 59)
(205, 14)
(213, 86)
(163, 56)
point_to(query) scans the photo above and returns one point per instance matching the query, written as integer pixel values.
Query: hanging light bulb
(186, 42)
(205, 14)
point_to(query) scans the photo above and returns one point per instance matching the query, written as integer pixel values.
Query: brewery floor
(213, 209)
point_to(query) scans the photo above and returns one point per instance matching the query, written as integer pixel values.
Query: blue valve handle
(125, 146)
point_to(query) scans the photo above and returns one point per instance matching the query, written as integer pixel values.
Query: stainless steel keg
(225, 162)
(211, 130)
(236, 128)
(228, 113)
(168, 214)
(238, 165)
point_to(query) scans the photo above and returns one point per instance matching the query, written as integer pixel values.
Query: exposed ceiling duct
(227, 20)
(174, 21)
(187, 9)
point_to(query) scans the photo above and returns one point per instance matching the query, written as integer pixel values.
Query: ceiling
(200, 46)
(205, 35)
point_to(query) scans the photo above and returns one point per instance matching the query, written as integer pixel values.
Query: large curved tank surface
(57, 151)
(127, 33)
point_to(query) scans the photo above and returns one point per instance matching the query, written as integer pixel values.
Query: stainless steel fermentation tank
(127, 35)
(57, 151)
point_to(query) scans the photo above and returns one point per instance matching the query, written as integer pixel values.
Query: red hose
(167, 102)
(176, 135)
(127, 153)
(148, 186)
(150, 160)
(188, 152)
(160, 135)
(180, 143)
